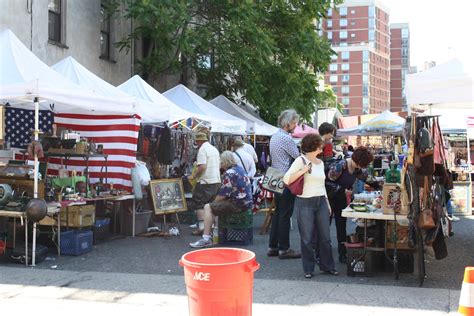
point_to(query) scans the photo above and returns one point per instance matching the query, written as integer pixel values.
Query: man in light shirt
(243, 158)
(207, 175)
(249, 149)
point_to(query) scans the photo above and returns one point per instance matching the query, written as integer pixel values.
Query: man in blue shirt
(283, 151)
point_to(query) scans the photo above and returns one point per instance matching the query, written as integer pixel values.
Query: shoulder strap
(243, 165)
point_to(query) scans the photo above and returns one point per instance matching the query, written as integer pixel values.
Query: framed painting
(168, 196)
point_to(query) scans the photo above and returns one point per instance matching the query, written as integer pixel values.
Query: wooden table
(109, 198)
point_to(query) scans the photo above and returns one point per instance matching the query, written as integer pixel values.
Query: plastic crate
(357, 266)
(237, 220)
(76, 242)
(141, 223)
(235, 236)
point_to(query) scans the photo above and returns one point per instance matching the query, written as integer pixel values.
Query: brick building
(360, 72)
(399, 65)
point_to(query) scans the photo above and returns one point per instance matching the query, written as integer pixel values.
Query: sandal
(308, 275)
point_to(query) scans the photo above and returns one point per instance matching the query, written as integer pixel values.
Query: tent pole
(35, 185)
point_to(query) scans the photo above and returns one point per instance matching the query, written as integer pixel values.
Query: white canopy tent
(329, 115)
(221, 121)
(446, 90)
(28, 82)
(139, 88)
(80, 75)
(254, 125)
(445, 84)
(24, 76)
(386, 123)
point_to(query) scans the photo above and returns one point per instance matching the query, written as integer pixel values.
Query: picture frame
(168, 196)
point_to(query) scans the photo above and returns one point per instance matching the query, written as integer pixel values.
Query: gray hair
(287, 117)
(227, 160)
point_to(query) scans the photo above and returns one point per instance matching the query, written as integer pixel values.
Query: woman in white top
(312, 208)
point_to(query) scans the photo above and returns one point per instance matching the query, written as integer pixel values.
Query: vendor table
(108, 198)
(86, 157)
(378, 215)
(52, 211)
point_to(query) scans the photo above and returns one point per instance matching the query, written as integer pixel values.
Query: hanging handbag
(296, 187)
(425, 219)
(273, 180)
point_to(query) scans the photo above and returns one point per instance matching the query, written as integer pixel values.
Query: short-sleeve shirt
(236, 188)
(251, 151)
(208, 155)
(327, 150)
(283, 150)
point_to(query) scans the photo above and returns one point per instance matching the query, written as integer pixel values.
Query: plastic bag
(142, 172)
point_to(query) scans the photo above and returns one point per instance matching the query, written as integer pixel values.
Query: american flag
(119, 136)
(19, 124)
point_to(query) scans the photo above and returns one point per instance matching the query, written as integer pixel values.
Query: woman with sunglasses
(312, 207)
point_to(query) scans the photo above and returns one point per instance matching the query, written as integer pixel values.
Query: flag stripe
(105, 127)
(119, 136)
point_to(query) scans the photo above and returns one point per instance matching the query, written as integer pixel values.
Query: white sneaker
(195, 225)
(201, 243)
(455, 218)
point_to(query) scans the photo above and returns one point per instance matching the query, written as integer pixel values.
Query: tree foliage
(265, 52)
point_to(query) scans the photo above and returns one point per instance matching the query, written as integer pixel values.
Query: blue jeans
(313, 223)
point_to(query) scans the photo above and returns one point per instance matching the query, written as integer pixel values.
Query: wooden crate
(79, 215)
(402, 236)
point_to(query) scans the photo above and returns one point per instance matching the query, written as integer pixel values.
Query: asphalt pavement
(149, 266)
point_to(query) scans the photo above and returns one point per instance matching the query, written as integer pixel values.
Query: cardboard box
(394, 199)
(78, 215)
(401, 237)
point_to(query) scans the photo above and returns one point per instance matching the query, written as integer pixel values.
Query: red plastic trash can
(219, 281)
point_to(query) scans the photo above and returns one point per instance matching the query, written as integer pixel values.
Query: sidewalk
(53, 292)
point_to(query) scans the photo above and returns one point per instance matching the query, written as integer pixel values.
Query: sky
(439, 29)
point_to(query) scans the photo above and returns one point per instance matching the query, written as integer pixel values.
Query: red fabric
(327, 150)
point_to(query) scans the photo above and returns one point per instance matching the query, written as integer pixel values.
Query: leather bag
(296, 187)
(425, 219)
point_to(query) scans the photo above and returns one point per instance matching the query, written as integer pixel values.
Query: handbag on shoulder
(296, 187)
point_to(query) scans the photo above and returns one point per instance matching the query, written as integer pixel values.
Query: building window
(345, 78)
(343, 11)
(55, 21)
(329, 35)
(345, 67)
(371, 35)
(343, 22)
(343, 44)
(365, 90)
(371, 23)
(353, 11)
(371, 12)
(345, 55)
(105, 38)
(365, 68)
(365, 78)
(353, 35)
(334, 89)
(333, 67)
(343, 34)
(365, 55)
(405, 33)
(329, 24)
(329, 12)
(345, 101)
(365, 101)
(345, 90)
(333, 78)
